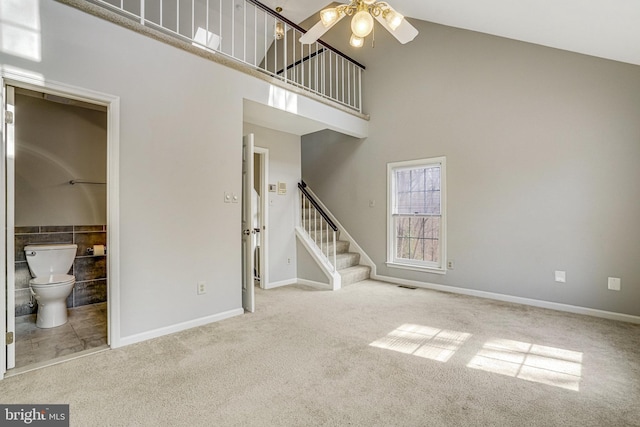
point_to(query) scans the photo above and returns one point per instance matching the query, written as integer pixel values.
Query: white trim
(416, 268)
(410, 164)
(156, 333)
(9, 223)
(113, 222)
(36, 82)
(3, 237)
(315, 284)
(335, 279)
(517, 300)
(281, 283)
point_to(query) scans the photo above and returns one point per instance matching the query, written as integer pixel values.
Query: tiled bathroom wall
(90, 270)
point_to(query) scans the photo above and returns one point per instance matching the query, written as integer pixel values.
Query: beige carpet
(372, 354)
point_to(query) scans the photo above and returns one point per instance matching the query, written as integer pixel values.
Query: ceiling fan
(363, 13)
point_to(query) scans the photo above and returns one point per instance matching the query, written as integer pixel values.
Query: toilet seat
(52, 280)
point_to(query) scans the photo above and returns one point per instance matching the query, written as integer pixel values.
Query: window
(416, 203)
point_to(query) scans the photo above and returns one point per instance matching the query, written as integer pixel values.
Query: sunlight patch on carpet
(546, 365)
(423, 341)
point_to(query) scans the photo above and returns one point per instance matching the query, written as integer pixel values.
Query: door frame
(264, 215)
(36, 82)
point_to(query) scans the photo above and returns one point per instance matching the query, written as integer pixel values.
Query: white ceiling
(604, 28)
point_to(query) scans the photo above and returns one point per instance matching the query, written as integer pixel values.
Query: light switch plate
(561, 276)
(613, 283)
(282, 188)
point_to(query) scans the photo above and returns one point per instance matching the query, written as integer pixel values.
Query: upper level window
(416, 220)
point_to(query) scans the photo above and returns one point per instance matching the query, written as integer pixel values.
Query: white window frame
(392, 261)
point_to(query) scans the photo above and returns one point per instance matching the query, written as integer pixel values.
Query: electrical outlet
(288, 260)
(561, 276)
(613, 283)
(450, 264)
(202, 288)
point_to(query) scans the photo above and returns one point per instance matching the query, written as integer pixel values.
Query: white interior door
(248, 242)
(9, 154)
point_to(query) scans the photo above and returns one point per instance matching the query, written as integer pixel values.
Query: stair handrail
(326, 247)
(303, 187)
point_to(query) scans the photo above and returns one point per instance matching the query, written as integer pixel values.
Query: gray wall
(542, 150)
(180, 151)
(308, 268)
(69, 142)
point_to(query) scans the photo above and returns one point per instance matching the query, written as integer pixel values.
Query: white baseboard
(518, 300)
(315, 284)
(144, 336)
(281, 283)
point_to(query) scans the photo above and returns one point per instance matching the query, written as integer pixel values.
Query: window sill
(416, 268)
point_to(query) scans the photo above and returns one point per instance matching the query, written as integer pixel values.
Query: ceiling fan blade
(404, 33)
(317, 31)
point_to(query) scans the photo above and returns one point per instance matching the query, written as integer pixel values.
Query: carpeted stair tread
(347, 259)
(354, 274)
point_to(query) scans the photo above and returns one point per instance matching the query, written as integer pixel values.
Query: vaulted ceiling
(604, 28)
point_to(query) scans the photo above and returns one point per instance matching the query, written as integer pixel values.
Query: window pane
(433, 203)
(402, 226)
(418, 238)
(417, 191)
(418, 203)
(417, 180)
(432, 251)
(432, 227)
(403, 202)
(417, 249)
(417, 227)
(402, 248)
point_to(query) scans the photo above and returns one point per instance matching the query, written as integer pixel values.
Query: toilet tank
(45, 260)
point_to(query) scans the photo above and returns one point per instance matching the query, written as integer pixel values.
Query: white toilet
(51, 285)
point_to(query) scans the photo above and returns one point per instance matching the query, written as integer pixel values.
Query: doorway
(254, 220)
(57, 186)
(261, 188)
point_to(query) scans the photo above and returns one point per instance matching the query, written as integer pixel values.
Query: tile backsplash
(90, 270)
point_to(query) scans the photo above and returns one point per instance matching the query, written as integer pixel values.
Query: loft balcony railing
(250, 32)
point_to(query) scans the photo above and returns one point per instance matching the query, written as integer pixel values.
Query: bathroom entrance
(260, 214)
(255, 209)
(56, 198)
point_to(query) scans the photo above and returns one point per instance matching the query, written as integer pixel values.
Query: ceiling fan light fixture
(329, 16)
(363, 13)
(356, 41)
(362, 23)
(393, 18)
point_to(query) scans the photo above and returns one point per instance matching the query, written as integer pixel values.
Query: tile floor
(86, 329)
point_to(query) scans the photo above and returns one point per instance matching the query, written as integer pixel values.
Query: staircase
(319, 229)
